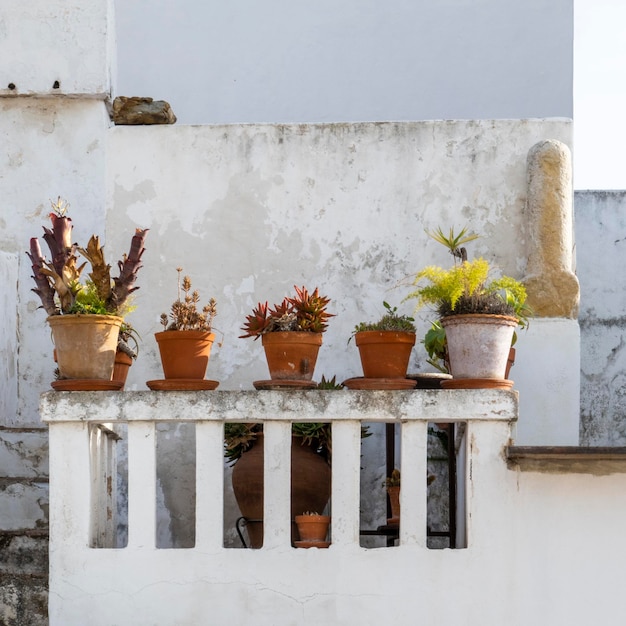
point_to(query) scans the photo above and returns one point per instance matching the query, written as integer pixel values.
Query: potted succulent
(478, 314)
(392, 484)
(385, 346)
(85, 317)
(310, 471)
(126, 353)
(291, 333)
(311, 451)
(186, 341)
(312, 529)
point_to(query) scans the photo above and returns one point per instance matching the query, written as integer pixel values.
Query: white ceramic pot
(479, 345)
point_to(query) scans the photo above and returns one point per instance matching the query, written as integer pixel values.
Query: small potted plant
(385, 346)
(126, 353)
(291, 333)
(85, 317)
(478, 314)
(312, 529)
(186, 341)
(311, 450)
(310, 470)
(392, 484)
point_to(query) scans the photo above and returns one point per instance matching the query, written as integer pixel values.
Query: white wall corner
(70, 48)
(547, 375)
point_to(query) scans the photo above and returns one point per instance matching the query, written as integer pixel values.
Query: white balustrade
(140, 584)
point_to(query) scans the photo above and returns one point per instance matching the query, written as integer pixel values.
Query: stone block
(137, 111)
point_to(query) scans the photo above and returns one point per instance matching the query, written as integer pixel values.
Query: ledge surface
(599, 460)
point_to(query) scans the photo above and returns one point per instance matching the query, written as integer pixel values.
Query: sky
(599, 94)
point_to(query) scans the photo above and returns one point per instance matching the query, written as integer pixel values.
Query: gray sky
(600, 94)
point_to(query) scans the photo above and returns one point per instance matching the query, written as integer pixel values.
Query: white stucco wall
(54, 147)
(542, 548)
(8, 335)
(601, 237)
(249, 211)
(66, 41)
(355, 60)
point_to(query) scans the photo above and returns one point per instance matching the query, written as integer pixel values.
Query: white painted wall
(8, 335)
(534, 553)
(64, 41)
(601, 239)
(355, 60)
(54, 147)
(249, 211)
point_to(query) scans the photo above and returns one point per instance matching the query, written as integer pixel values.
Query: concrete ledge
(567, 459)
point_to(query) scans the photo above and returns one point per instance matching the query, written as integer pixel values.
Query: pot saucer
(284, 384)
(379, 383)
(477, 383)
(429, 380)
(311, 544)
(182, 384)
(86, 384)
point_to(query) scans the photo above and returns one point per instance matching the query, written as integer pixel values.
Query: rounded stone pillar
(553, 289)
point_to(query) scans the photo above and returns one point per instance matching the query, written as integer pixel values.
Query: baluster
(209, 485)
(141, 485)
(110, 538)
(97, 499)
(70, 483)
(277, 486)
(413, 490)
(346, 475)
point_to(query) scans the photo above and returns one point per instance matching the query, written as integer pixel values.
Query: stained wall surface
(601, 241)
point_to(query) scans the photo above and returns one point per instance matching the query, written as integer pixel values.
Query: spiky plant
(454, 242)
(303, 312)
(58, 280)
(184, 313)
(466, 287)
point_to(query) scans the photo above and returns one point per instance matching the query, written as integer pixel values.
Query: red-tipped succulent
(303, 312)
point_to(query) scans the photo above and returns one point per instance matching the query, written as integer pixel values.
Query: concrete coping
(598, 460)
(285, 405)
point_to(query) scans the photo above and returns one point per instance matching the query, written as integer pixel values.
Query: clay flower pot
(185, 353)
(310, 485)
(121, 367)
(312, 528)
(291, 355)
(384, 353)
(394, 501)
(479, 345)
(85, 345)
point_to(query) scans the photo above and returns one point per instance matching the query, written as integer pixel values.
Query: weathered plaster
(8, 337)
(56, 147)
(601, 237)
(64, 48)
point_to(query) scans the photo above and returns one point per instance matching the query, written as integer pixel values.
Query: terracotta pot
(394, 501)
(312, 527)
(386, 353)
(184, 353)
(310, 485)
(121, 366)
(479, 345)
(510, 362)
(291, 354)
(85, 345)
